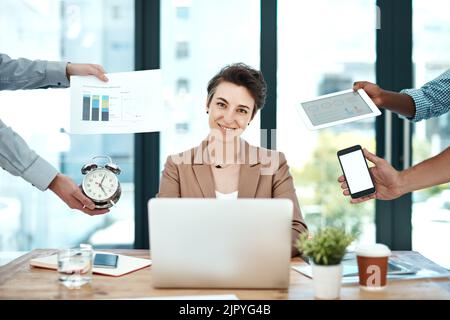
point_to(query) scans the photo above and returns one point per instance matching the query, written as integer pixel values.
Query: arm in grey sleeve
(22, 73)
(19, 160)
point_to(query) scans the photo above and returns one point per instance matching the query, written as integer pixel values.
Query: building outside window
(312, 63)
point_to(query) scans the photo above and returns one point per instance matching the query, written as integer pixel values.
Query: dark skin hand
(396, 102)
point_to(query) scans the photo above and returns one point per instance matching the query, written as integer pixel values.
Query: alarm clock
(100, 183)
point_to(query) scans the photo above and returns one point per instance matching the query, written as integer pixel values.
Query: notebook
(126, 264)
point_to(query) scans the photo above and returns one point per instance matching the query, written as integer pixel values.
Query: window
(431, 207)
(182, 50)
(316, 58)
(67, 30)
(182, 86)
(182, 13)
(210, 47)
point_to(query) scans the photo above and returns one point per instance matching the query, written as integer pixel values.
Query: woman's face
(230, 110)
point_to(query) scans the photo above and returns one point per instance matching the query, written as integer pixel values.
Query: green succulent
(327, 246)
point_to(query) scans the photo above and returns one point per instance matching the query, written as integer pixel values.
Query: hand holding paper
(86, 69)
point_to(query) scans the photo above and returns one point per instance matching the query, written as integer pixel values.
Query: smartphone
(356, 172)
(104, 260)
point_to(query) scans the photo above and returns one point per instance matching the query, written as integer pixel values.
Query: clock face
(100, 184)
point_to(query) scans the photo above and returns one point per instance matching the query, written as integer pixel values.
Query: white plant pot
(327, 281)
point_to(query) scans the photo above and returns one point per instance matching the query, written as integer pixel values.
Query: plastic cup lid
(373, 250)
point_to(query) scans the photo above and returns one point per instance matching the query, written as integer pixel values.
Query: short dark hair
(242, 75)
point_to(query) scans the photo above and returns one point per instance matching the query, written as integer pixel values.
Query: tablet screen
(340, 107)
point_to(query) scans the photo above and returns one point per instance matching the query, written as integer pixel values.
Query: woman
(225, 166)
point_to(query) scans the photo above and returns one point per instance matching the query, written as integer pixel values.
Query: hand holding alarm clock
(100, 183)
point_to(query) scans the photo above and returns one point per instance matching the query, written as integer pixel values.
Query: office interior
(304, 49)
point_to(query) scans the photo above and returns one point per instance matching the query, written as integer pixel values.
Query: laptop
(215, 243)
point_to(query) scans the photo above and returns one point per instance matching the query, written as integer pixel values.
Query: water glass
(75, 266)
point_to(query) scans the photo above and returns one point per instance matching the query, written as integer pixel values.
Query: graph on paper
(121, 106)
(129, 102)
(95, 107)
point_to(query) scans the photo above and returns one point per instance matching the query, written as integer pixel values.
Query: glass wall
(316, 57)
(198, 38)
(76, 31)
(431, 207)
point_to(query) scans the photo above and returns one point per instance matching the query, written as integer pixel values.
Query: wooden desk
(20, 281)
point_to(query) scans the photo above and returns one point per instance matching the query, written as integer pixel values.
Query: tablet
(337, 108)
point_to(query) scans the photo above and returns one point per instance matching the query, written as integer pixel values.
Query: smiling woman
(235, 94)
(224, 165)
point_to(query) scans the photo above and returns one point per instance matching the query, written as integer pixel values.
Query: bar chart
(105, 108)
(129, 102)
(91, 107)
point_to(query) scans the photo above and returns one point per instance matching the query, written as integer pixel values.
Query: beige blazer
(263, 174)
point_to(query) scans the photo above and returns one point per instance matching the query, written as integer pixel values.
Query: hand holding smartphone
(356, 172)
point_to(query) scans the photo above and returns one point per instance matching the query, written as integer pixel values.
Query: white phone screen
(355, 169)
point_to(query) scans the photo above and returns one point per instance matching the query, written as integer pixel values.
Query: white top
(373, 250)
(227, 196)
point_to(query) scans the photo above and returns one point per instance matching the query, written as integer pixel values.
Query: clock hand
(101, 187)
(102, 180)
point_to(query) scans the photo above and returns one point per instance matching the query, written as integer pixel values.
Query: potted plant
(326, 250)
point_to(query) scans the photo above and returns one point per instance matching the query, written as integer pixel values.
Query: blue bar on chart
(105, 108)
(86, 106)
(95, 108)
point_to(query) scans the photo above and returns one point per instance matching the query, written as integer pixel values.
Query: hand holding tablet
(337, 108)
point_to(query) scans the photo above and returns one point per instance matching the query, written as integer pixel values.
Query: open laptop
(211, 243)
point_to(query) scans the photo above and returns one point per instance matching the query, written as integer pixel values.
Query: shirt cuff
(56, 74)
(40, 174)
(421, 107)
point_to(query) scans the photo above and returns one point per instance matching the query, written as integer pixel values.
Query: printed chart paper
(129, 102)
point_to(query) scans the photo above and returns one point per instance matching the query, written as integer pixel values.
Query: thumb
(101, 72)
(83, 199)
(371, 157)
(359, 85)
(98, 71)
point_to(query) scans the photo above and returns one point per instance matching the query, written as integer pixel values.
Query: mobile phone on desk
(356, 172)
(106, 260)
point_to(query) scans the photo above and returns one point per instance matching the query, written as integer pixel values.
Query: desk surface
(18, 280)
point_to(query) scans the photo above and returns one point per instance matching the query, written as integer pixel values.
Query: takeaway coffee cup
(372, 266)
